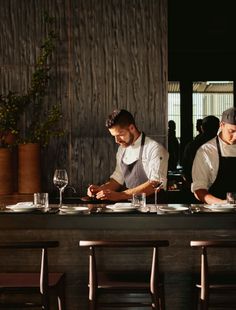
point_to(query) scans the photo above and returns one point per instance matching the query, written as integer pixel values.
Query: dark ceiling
(202, 40)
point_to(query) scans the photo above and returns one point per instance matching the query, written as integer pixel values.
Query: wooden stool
(215, 284)
(127, 282)
(42, 283)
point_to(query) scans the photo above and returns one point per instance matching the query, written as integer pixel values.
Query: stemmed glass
(60, 179)
(157, 185)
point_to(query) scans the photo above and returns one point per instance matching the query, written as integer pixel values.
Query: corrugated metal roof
(204, 87)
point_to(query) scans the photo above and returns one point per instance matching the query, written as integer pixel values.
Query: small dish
(220, 207)
(121, 207)
(172, 209)
(71, 209)
(22, 207)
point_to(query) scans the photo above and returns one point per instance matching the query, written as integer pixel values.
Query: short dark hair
(210, 124)
(171, 125)
(120, 117)
(199, 124)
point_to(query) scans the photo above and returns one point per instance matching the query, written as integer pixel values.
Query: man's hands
(204, 196)
(92, 190)
(108, 191)
(108, 194)
(111, 191)
(105, 194)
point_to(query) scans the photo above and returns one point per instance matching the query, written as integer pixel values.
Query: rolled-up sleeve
(158, 163)
(201, 171)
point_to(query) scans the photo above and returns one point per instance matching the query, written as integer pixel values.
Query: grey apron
(134, 173)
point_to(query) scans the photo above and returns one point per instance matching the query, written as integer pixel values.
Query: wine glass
(60, 179)
(157, 185)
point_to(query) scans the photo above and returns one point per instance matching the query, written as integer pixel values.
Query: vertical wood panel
(111, 54)
(119, 60)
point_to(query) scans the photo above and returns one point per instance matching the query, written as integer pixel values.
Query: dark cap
(229, 116)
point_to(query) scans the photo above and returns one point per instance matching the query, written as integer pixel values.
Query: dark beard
(131, 140)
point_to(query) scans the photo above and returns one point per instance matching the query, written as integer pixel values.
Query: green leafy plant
(40, 122)
(11, 109)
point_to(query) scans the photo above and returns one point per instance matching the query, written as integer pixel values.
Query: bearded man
(141, 162)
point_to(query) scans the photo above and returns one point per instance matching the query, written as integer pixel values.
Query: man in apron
(141, 162)
(214, 166)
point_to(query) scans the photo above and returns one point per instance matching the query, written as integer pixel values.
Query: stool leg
(92, 305)
(61, 300)
(92, 280)
(158, 301)
(203, 305)
(155, 302)
(45, 302)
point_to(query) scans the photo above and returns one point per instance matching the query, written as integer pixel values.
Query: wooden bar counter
(179, 261)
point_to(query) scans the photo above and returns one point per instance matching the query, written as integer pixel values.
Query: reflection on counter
(178, 189)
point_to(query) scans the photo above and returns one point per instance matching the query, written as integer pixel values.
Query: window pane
(211, 98)
(174, 110)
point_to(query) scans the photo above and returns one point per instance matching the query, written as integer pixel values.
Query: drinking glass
(41, 201)
(139, 201)
(60, 179)
(157, 185)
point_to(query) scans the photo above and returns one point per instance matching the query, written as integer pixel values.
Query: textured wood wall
(112, 53)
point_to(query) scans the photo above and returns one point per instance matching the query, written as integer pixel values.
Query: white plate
(173, 209)
(22, 207)
(122, 207)
(70, 209)
(221, 208)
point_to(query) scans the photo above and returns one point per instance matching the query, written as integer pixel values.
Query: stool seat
(27, 280)
(125, 281)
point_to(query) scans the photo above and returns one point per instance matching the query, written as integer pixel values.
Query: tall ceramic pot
(29, 168)
(6, 171)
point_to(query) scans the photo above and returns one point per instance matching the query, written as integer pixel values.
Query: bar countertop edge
(119, 221)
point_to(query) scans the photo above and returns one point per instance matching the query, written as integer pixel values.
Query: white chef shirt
(154, 160)
(206, 163)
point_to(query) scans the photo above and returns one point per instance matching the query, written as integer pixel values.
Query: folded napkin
(20, 205)
(25, 203)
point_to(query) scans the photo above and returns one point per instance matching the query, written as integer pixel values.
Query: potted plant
(41, 123)
(24, 118)
(11, 108)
